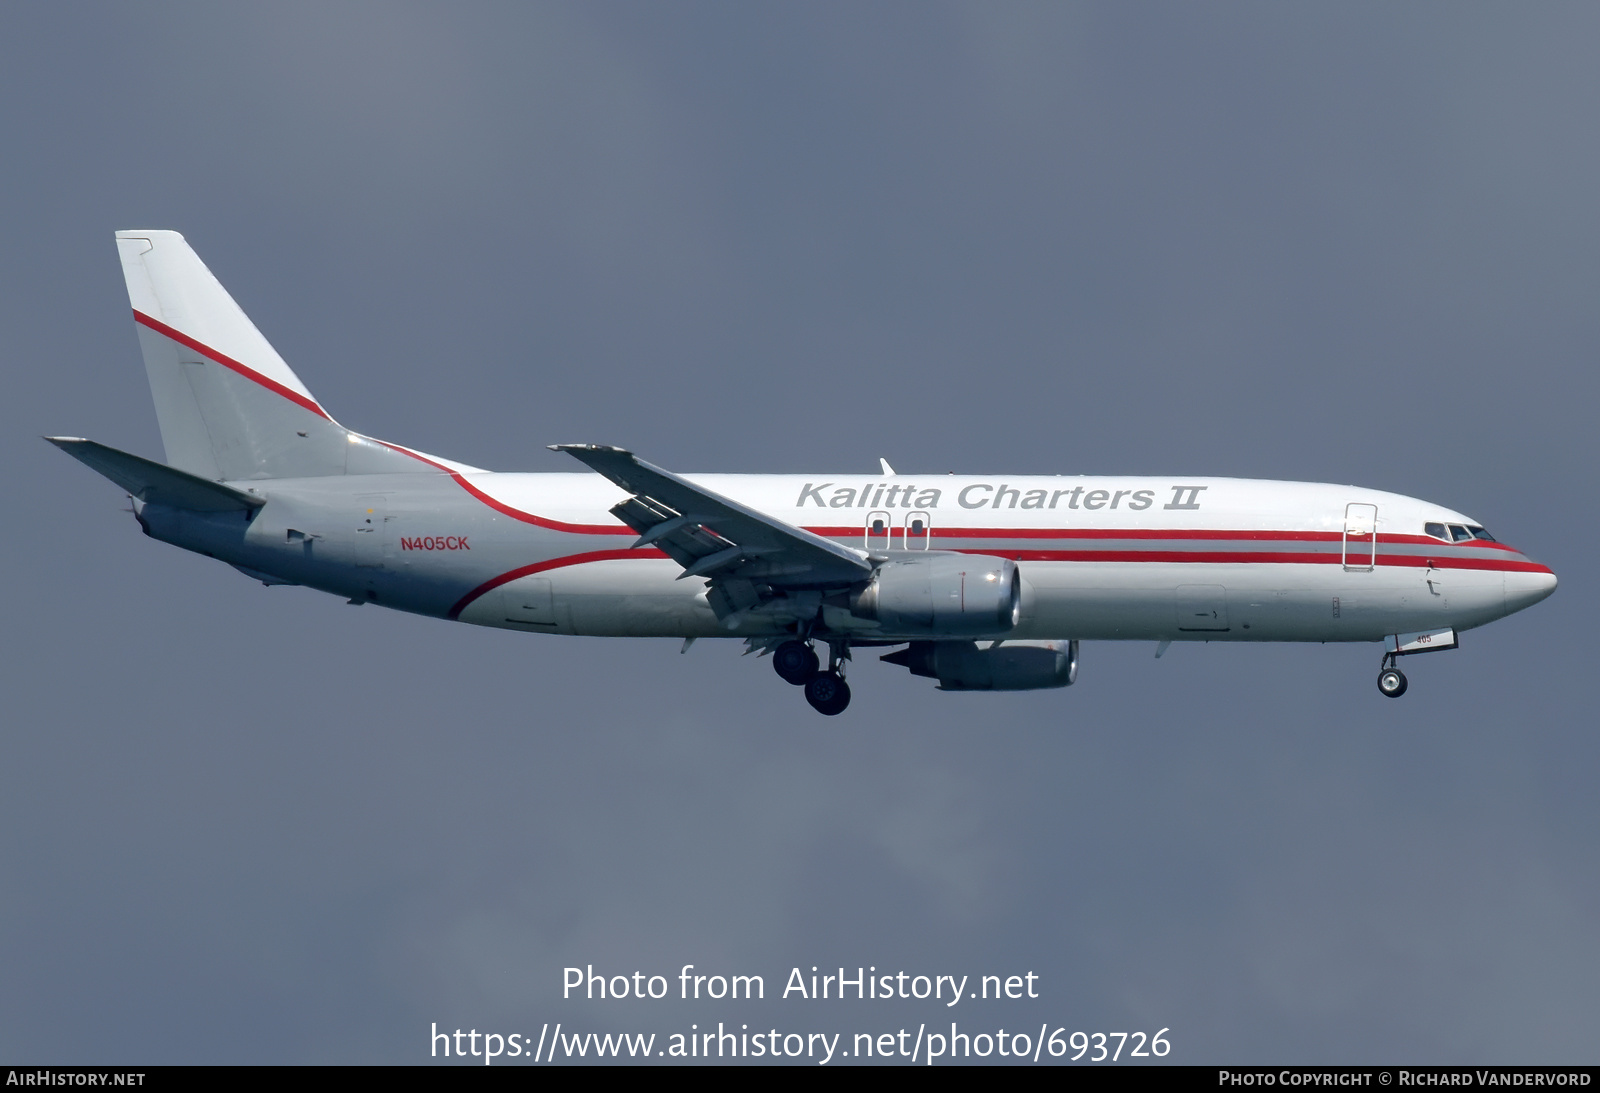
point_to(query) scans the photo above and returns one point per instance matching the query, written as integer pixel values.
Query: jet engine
(1013, 666)
(942, 592)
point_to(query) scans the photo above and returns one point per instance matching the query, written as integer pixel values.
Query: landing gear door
(917, 528)
(1360, 537)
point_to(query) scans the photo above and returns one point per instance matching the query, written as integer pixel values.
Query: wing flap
(715, 536)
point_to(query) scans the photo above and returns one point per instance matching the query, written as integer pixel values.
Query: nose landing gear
(1391, 680)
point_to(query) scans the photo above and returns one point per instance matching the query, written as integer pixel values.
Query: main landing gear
(796, 662)
(828, 693)
(1391, 680)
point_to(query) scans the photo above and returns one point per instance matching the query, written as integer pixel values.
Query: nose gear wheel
(1391, 680)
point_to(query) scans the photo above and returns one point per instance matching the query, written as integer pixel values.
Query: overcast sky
(1350, 243)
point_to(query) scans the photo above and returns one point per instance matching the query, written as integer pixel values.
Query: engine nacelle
(1014, 666)
(943, 592)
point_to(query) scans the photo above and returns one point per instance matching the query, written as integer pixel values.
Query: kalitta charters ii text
(987, 495)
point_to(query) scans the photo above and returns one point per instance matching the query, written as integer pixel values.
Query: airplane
(986, 582)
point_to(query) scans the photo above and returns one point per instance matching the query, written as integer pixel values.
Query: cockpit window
(1458, 533)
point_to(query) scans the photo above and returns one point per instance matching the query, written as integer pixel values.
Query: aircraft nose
(1527, 589)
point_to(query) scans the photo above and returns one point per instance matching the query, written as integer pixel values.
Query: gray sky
(1350, 243)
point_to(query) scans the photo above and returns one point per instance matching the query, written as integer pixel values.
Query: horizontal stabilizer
(156, 483)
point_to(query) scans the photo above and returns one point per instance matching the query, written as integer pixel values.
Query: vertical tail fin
(229, 407)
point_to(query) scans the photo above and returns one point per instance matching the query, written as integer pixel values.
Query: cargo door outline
(1202, 608)
(528, 602)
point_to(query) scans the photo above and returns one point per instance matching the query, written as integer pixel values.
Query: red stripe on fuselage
(1209, 534)
(554, 563)
(948, 531)
(515, 514)
(1130, 556)
(1242, 558)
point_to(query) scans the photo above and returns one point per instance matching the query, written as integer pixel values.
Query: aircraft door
(1360, 551)
(371, 529)
(918, 527)
(880, 531)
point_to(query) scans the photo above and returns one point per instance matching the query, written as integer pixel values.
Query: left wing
(749, 557)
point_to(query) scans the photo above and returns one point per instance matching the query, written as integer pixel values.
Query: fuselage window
(1479, 533)
(1437, 531)
(1459, 533)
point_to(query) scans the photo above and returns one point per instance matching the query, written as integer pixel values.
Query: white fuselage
(1101, 558)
